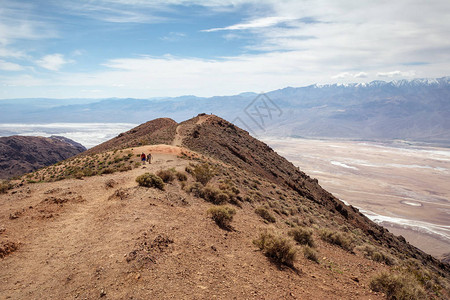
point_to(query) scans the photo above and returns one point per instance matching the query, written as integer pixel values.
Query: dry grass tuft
(166, 175)
(265, 214)
(4, 186)
(375, 254)
(303, 236)
(341, 239)
(222, 215)
(398, 286)
(150, 180)
(311, 254)
(277, 248)
(203, 173)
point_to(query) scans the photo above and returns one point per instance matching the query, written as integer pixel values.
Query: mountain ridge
(23, 154)
(122, 239)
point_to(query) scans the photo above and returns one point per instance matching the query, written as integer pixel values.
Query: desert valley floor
(405, 188)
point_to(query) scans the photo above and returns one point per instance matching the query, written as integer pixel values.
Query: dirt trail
(178, 139)
(203, 118)
(71, 243)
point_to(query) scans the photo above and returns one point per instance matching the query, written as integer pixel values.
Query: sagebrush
(276, 247)
(303, 236)
(341, 239)
(265, 214)
(203, 172)
(222, 215)
(150, 180)
(166, 175)
(398, 286)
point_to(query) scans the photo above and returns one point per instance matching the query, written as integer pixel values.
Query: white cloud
(18, 23)
(78, 52)
(342, 75)
(173, 37)
(350, 75)
(9, 66)
(253, 24)
(5, 52)
(396, 74)
(361, 75)
(53, 62)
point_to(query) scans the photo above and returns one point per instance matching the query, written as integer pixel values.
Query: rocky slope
(108, 237)
(23, 154)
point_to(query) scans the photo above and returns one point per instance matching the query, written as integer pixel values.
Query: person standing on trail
(149, 158)
(143, 158)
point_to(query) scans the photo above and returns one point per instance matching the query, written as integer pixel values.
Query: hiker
(149, 158)
(143, 158)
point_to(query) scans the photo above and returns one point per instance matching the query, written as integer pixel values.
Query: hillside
(159, 131)
(88, 230)
(23, 154)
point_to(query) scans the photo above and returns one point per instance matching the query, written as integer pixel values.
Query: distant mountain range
(414, 110)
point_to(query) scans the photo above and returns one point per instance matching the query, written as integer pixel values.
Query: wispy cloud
(53, 62)
(345, 75)
(392, 74)
(17, 22)
(114, 11)
(9, 66)
(173, 36)
(253, 24)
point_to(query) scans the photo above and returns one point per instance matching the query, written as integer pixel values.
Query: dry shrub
(310, 254)
(194, 188)
(119, 194)
(4, 186)
(303, 236)
(123, 168)
(222, 215)
(150, 180)
(375, 254)
(181, 176)
(277, 248)
(110, 183)
(166, 175)
(213, 195)
(430, 280)
(398, 286)
(203, 173)
(341, 239)
(107, 171)
(265, 214)
(7, 248)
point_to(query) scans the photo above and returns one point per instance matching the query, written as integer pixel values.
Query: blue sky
(142, 49)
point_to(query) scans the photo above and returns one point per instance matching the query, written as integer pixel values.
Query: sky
(144, 49)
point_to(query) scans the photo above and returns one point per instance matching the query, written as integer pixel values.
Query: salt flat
(406, 188)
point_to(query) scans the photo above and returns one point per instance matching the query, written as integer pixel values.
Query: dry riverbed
(403, 187)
